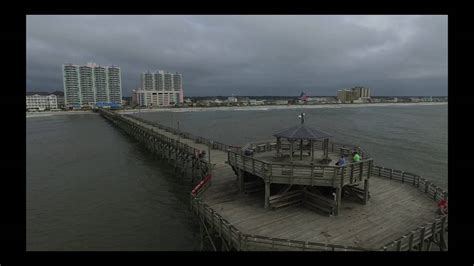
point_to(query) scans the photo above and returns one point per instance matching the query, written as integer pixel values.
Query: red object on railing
(201, 184)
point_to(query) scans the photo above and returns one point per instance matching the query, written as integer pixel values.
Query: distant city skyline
(249, 55)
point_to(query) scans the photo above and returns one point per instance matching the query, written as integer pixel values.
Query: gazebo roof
(302, 132)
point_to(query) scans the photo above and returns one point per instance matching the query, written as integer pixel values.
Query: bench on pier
(318, 202)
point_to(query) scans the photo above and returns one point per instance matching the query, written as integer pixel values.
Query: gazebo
(300, 134)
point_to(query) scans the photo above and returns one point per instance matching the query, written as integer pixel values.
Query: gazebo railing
(271, 145)
(310, 174)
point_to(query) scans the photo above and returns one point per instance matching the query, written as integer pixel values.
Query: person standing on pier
(341, 161)
(443, 206)
(356, 157)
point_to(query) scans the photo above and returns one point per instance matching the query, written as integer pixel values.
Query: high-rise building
(114, 84)
(91, 84)
(86, 84)
(159, 89)
(362, 92)
(177, 82)
(72, 92)
(346, 96)
(354, 94)
(100, 81)
(168, 81)
(159, 80)
(147, 81)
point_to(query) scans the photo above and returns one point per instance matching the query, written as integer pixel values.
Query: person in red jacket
(443, 206)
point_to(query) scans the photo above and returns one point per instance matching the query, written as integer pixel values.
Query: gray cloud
(248, 55)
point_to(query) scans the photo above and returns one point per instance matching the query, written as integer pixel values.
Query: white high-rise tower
(91, 84)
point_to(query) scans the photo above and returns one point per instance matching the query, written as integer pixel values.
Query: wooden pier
(247, 203)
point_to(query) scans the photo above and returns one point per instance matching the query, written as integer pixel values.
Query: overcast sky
(248, 55)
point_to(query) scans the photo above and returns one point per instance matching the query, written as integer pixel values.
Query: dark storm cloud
(248, 55)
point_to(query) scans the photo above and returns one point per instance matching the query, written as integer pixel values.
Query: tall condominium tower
(160, 89)
(147, 81)
(86, 84)
(72, 92)
(168, 82)
(100, 82)
(91, 84)
(159, 80)
(114, 84)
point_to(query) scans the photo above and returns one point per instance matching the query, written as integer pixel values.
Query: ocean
(92, 187)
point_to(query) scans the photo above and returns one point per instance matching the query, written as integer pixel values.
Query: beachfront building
(155, 98)
(354, 95)
(91, 84)
(361, 92)
(41, 102)
(159, 89)
(232, 99)
(346, 96)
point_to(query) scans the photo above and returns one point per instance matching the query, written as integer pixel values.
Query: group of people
(342, 160)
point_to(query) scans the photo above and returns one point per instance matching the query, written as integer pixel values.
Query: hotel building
(91, 84)
(159, 89)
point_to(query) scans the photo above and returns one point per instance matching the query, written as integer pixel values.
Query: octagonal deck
(393, 210)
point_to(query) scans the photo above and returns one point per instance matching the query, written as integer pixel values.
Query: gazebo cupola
(304, 136)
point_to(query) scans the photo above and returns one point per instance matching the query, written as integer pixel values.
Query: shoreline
(273, 107)
(235, 108)
(45, 114)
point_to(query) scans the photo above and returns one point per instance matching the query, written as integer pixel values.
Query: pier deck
(395, 210)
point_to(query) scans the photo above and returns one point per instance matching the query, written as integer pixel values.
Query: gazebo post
(301, 149)
(312, 150)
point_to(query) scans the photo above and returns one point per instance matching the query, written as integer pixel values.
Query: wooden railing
(145, 133)
(246, 242)
(290, 173)
(419, 238)
(214, 144)
(270, 145)
(429, 188)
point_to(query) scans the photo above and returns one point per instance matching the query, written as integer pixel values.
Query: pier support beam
(366, 190)
(338, 200)
(240, 175)
(267, 195)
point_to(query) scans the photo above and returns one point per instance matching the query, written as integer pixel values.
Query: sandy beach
(275, 107)
(235, 108)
